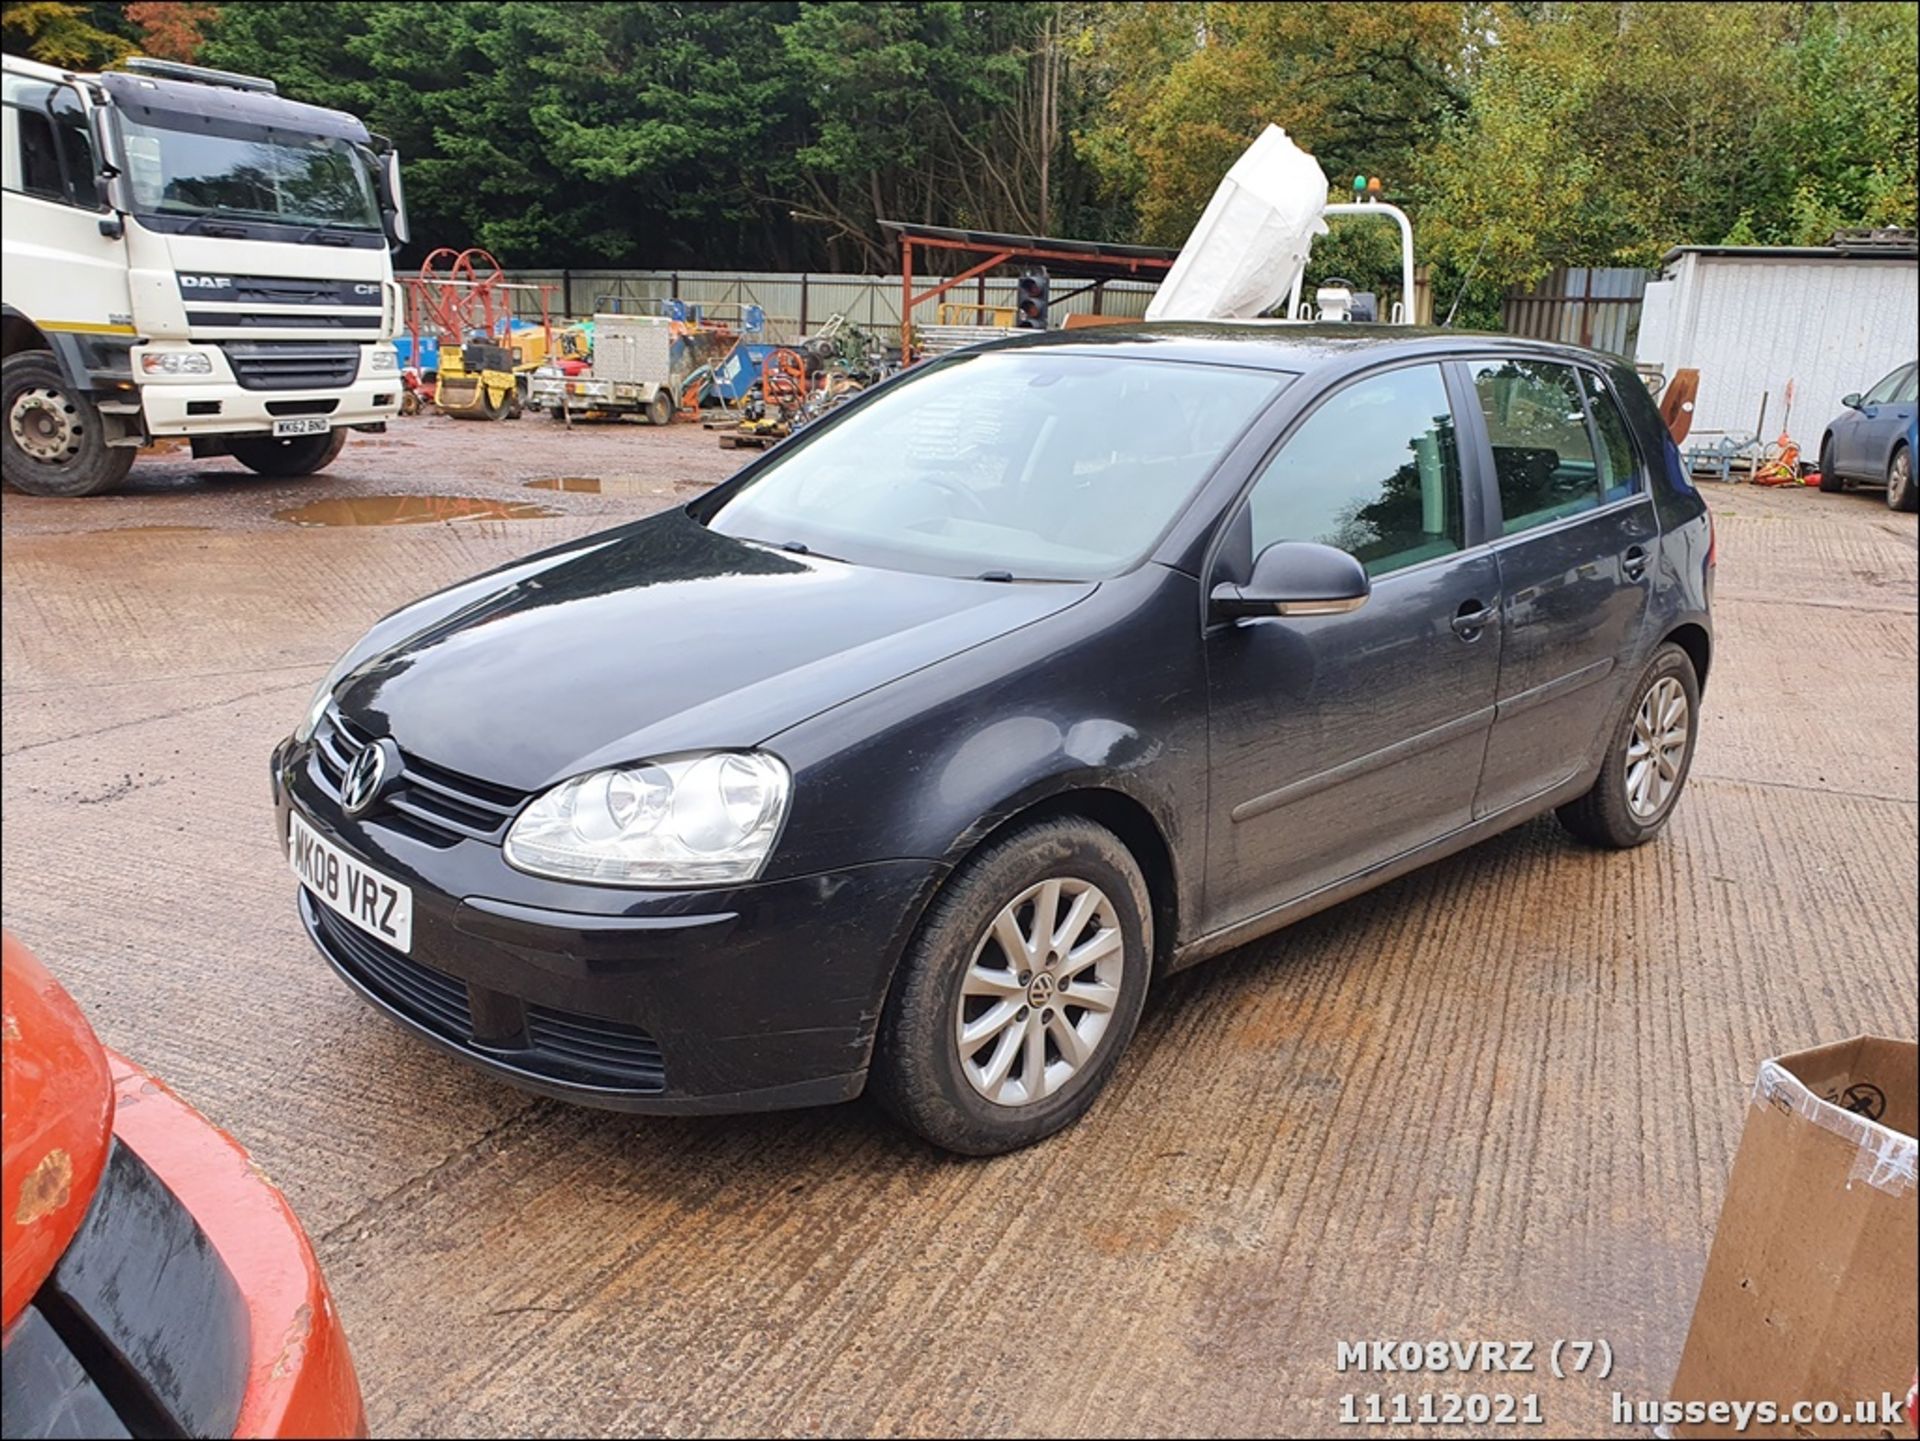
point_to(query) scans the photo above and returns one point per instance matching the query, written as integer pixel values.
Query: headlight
(177, 362)
(699, 820)
(382, 360)
(322, 694)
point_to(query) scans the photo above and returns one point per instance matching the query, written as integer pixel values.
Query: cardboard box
(1810, 1287)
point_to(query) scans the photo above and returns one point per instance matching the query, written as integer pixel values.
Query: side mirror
(396, 199)
(1296, 578)
(1852, 402)
(112, 176)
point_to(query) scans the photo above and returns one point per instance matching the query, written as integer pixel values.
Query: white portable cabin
(1832, 319)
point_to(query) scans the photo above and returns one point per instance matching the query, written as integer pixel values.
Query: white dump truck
(188, 253)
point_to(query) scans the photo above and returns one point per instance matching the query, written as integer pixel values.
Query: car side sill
(1202, 948)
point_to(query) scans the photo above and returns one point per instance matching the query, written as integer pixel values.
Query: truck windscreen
(248, 172)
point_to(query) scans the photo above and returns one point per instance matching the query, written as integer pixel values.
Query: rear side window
(1375, 471)
(1543, 454)
(1613, 444)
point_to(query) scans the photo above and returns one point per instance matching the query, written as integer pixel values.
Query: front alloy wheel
(1039, 993)
(1014, 1001)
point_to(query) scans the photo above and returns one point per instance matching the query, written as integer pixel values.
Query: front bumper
(176, 407)
(300, 1376)
(757, 997)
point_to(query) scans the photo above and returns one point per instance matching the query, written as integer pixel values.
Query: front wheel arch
(1128, 818)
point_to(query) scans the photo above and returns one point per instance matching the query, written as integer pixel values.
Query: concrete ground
(1495, 1100)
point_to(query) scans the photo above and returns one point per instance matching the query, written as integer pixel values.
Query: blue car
(1873, 441)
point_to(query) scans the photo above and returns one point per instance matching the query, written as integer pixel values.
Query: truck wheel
(660, 409)
(285, 458)
(55, 442)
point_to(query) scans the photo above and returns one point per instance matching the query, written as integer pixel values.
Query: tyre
(1019, 992)
(54, 441)
(289, 456)
(1647, 761)
(1901, 494)
(660, 409)
(1829, 482)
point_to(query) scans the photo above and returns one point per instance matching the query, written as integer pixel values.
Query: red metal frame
(999, 255)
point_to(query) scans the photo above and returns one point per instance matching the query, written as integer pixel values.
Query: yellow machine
(476, 382)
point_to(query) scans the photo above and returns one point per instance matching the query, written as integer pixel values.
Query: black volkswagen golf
(906, 759)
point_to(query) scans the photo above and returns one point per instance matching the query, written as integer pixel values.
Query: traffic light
(1030, 311)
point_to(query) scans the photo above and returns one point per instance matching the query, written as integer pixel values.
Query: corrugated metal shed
(1599, 308)
(1752, 319)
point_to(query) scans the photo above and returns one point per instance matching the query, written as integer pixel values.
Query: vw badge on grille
(360, 786)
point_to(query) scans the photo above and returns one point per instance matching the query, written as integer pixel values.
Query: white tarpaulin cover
(1253, 238)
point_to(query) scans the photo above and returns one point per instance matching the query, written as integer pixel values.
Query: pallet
(736, 440)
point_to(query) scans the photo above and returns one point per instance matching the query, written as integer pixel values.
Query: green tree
(82, 37)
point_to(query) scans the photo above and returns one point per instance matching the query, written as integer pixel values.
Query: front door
(1880, 421)
(1578, 543)
(1339, 742)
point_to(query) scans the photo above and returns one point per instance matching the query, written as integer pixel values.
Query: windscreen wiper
(327, 232)
(202, 220)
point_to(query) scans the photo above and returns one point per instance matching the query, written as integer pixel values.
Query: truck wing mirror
(396, 207)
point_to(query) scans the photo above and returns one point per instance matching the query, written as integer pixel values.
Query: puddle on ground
(595, 485)
(409, 510)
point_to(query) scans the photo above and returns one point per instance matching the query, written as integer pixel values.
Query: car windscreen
(203, 166)
(1023, 463)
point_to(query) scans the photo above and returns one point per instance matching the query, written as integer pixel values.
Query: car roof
(1288, 346)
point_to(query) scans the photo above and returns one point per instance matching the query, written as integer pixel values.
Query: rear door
(1577, 534)
(1339, 742)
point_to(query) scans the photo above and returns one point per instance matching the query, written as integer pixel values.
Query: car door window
(1909, 390)
(1888, 387)
(1375, 470)
(1614, 455)
(1543, 453)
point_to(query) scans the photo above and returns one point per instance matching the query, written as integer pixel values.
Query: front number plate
(349, 887)
(305, 425)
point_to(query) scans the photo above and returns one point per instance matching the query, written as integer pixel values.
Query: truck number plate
(304, 425)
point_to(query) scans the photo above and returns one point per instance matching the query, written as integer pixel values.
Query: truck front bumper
(224, 408)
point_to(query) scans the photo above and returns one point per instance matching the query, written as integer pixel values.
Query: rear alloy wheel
(1648, 761)
(1829, 482)
(285, 458)
(54, 441)
(1021, 990)
(1901, 494)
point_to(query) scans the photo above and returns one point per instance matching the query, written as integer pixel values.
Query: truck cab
(188, 253)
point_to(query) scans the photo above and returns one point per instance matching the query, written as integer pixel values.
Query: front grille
(431, 997)
(562, 1045)
(605, 1048)
(141, 1329)
(292, 364)
(428, 803)
(269, 320)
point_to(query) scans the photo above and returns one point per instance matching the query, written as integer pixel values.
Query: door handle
(1634, 563)
(1472, 618)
